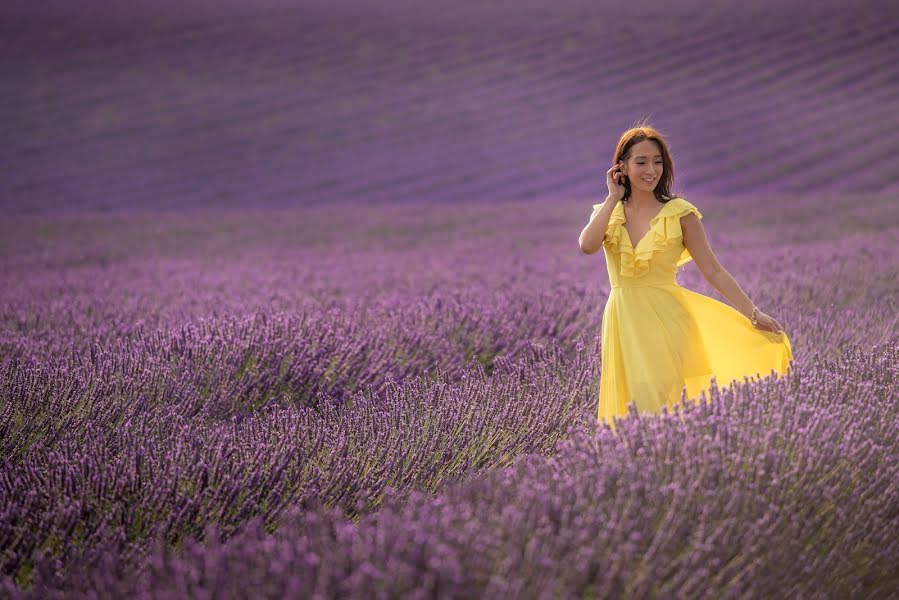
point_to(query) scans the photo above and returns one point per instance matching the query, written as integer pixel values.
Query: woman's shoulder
(679, 206)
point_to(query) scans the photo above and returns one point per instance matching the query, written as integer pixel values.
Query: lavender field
(291, 302)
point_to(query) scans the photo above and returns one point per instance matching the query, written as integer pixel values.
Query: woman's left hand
(767, 323)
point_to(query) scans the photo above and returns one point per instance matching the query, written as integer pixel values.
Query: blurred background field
(285, 104)
(291, 297)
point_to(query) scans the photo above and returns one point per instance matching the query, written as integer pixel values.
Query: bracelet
(753, 317)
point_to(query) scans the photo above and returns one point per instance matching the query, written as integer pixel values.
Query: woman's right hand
(767, 323)
(614, 177)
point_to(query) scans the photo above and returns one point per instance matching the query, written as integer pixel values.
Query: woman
(659, 337)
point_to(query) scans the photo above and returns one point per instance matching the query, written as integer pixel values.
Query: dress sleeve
(611, 234)
(684, 208)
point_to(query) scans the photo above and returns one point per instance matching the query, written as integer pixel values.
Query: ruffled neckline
(663, 231)
(619, 209)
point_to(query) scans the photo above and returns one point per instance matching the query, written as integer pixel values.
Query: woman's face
(645, 162)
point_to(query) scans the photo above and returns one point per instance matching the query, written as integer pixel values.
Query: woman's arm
(592, 235)
(711, 269)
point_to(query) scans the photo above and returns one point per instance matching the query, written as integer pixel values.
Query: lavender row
(133, 466)
(775, 488)
(468, 275)
(217, 369)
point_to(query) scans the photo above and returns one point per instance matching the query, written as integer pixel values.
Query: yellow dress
(659, 337)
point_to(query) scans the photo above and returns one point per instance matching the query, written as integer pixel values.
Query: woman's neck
(640, 200)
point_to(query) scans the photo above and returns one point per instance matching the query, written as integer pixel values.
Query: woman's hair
(639, 132)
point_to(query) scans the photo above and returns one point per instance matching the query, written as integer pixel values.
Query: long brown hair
(638, 133)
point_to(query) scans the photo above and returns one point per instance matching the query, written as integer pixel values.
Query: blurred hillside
(165, 105)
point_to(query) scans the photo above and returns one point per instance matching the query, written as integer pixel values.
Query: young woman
(659, 337)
